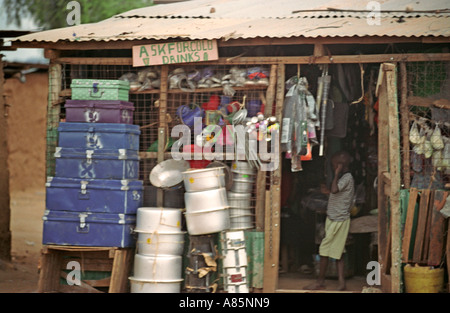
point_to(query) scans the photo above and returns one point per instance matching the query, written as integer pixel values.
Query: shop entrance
(352, 126)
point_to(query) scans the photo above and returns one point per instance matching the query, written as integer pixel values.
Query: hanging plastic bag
(419, 147)
(414, 136)
(287, 124)
(436, 159)
(436, 139)
(446, 154)
(427, 148)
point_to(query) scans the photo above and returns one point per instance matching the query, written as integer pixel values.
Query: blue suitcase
(98, 136)
(94, 195)
(96, 164)
(88, 229)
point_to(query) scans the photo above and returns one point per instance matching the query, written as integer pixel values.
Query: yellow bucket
(423, 279)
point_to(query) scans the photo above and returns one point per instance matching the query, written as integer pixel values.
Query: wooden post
(162, 126)
(394, 169)
(53, 112)
(405, 125)
(383, 146)
(273, 205)
(5, 211)
(262, 175)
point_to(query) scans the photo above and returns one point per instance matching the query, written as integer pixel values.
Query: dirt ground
(21, 274)
(26, 163)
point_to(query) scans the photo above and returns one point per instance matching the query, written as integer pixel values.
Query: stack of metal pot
(239, 197)
(160, 245)
(234, 261)
(206, 201)
(206, 214)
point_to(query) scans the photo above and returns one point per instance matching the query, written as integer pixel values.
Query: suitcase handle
(95, 90)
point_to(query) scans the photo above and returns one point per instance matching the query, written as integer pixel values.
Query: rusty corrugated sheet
(234, 19)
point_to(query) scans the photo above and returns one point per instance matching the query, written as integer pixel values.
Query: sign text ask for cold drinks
(175, 52)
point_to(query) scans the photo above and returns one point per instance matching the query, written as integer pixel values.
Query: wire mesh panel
(216, 91)
(428, 94)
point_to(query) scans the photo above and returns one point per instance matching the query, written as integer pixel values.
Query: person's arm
(334, 183)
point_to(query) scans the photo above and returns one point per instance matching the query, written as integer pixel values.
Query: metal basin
(243, 167)
(160, 243)
(204, 179)
(158, 219)
(241, 222)
(205, 200)
(157, 268)
(207, 222)
(138, 285)
(242, 186)
(239, 200)
(227, 171)
(168, 173)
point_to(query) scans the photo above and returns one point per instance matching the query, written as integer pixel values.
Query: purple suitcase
(99, 111)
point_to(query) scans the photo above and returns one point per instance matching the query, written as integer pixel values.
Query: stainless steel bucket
(242, 185)
(239, 200)
(152, 219)
(160, 243)
(205, 200)
(241, 218)
(243, 167)
(207, 222)
(138, 285)
(242, 222)
(204, 179)
(157, 268)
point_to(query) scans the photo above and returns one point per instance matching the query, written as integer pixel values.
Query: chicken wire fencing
(428, 94)
(218, 90)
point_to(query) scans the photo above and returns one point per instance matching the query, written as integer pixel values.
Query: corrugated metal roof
(235, 19)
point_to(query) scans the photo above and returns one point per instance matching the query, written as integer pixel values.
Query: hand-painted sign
(175, 52)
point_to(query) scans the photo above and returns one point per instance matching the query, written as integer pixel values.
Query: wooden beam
(122, 264)
(394, 170)
(437, 229)
(310, 59)
(262, 175)
(421, 226)
(128, 44)
(404, 114)
(53, 112)
(162, 126)
(408, 228)
(273, 204)
(383, 148)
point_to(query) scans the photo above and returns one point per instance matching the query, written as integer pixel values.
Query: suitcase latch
(89, 154)
(83, 219)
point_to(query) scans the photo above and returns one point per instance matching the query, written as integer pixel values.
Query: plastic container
(423, 279)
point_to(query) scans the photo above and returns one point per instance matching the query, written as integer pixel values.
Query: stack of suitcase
(94, 195)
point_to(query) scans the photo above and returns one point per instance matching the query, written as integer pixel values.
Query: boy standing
(337, 223)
